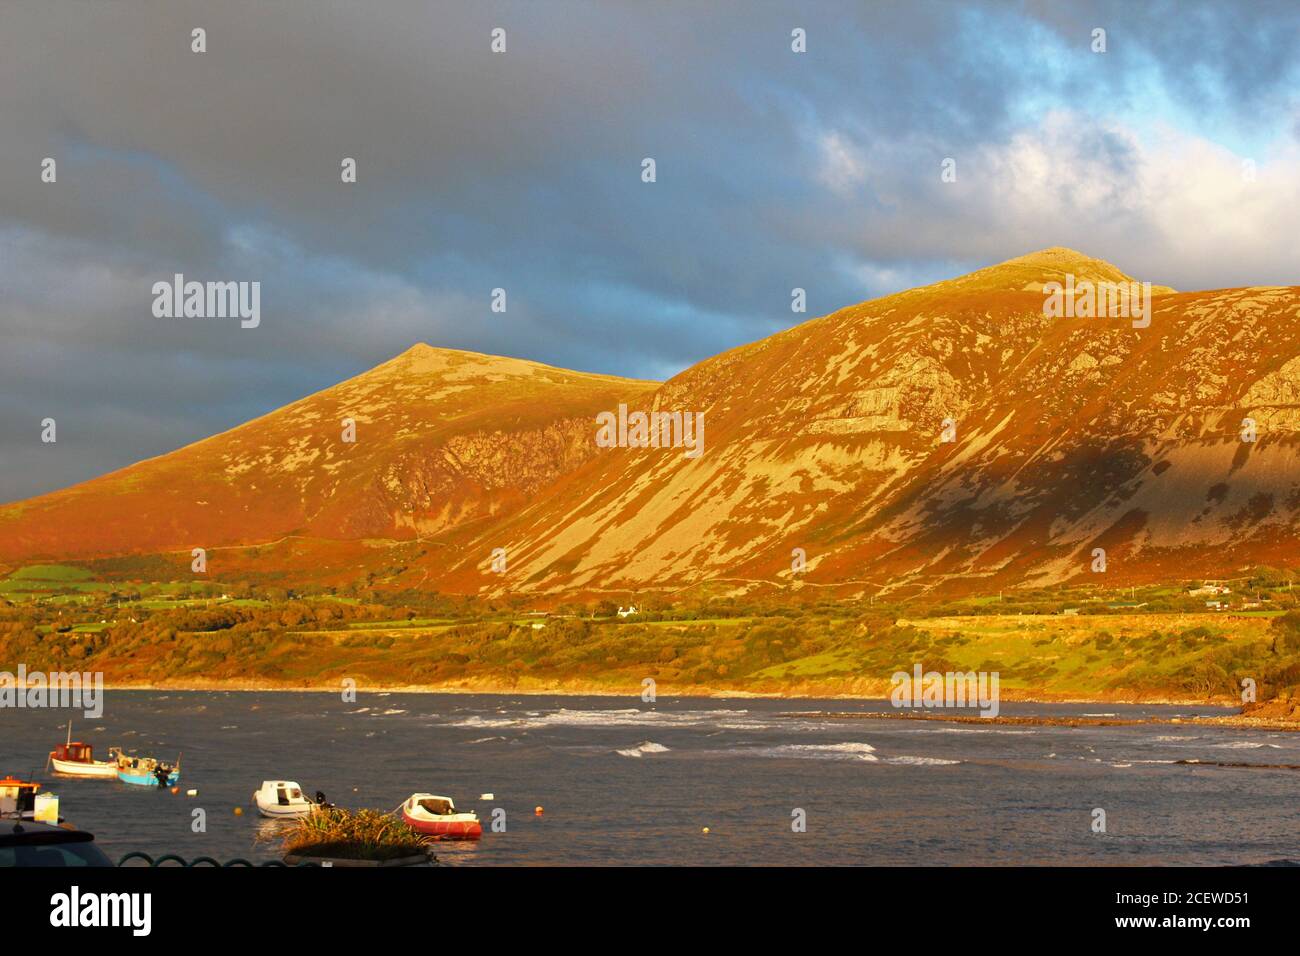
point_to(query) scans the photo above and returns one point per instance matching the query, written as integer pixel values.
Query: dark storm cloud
(521, 170)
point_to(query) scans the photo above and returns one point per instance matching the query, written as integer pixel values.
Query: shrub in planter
(362, 835)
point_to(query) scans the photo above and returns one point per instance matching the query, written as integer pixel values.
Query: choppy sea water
(623, 782)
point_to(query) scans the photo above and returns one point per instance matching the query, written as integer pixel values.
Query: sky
(1174, 154)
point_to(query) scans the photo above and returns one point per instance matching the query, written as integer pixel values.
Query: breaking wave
(845, 751)
(910, 761)
(628, 717)
(643, 748)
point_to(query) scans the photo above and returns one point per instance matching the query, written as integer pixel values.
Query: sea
(578, 781)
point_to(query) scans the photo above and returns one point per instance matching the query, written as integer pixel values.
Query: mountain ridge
(418, 397)
(827, 436)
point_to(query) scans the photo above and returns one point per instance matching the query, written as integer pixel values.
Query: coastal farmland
(241, 635)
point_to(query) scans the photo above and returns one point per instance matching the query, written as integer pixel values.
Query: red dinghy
(437, 817)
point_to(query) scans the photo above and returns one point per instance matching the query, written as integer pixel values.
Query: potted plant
(339, 837)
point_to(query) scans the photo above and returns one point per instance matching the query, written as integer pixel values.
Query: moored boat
(77, 759)
(146, 771)
(283, 799)
(437, 816)
(17, 797)
(22, 800)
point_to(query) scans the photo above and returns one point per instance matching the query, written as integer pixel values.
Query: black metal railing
(202, 861)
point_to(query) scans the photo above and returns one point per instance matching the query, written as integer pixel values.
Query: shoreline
(580, 689)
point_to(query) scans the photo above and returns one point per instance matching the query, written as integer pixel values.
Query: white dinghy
(282, 798)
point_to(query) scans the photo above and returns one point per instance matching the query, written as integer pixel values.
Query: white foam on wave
(485, 722)
(844, 751)
(643, 748)
(627, 717)
(1244, 745)
(907, 760)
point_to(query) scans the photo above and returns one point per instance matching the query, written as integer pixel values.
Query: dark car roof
(31, 833)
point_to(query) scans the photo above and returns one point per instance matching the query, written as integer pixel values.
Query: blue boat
(147, 772)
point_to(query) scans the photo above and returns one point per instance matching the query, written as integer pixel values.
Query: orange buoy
(239, 811)
(176, 790)
(705, 830)
(539, 811)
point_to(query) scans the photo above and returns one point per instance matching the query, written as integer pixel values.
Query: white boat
(77, 759)
(80, 762)
(282, 799)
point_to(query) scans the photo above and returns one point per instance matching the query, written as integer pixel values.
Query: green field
(50, 579)
(51, 572)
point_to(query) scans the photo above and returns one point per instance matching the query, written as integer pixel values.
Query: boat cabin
(287, 793)
(438, 806)
(74, 752)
